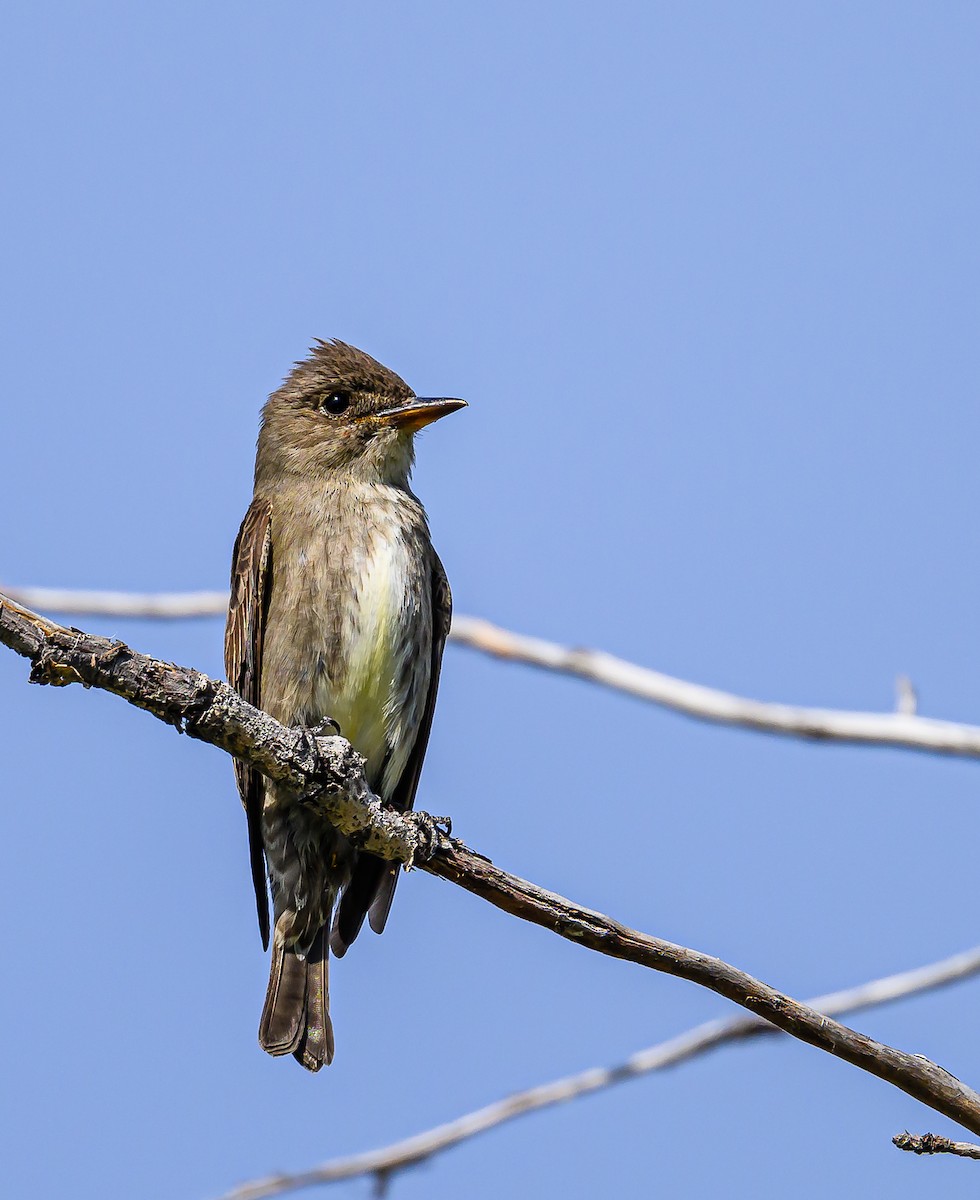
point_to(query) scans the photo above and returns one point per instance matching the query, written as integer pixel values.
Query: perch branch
(327, 773)
(903, 729)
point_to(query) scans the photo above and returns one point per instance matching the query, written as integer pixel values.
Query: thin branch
(903, 729)
(919, 1143)
(158, 605)
(389, 1160)
(900, 729)
(327, 773)
(409, 1152)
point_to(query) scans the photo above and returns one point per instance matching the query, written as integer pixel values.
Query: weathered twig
(904, 728)
(388, 1160)
(327, 772)
(918, 1143)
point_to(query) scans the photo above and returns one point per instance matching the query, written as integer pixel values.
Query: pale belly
(377, 701)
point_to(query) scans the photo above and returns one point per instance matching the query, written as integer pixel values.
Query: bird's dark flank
(339, 609)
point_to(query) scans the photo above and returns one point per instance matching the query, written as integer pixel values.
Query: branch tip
(933, 1143)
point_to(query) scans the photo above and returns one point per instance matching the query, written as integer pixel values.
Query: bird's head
(341, 412)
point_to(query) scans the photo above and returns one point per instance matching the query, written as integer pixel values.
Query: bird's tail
(296, 1016)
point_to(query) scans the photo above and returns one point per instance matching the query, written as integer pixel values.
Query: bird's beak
(420, 411)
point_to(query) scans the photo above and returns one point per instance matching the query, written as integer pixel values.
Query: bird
(339, 613)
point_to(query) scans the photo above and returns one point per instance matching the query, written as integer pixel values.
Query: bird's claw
(442, 824)
(433, 833)
(325, 727)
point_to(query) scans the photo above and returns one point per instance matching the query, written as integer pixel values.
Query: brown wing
(251, 577)
(403, 796)
(372, 885)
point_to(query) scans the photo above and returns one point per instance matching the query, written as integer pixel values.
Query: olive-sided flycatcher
(339, 610)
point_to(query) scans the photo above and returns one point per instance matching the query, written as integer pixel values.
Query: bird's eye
(335, 403)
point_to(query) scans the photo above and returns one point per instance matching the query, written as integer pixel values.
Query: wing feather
(251, 578)
(403, 796)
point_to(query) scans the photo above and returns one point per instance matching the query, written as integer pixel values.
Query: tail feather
(315, 1047)
(284, 1012)
(295, 1018)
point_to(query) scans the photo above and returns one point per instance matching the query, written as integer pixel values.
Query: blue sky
(707, 275)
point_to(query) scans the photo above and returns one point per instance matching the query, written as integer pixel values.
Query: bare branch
(326, 772)
(399, 1156)
(158, 605)
(903, 729)
(921, 1143)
